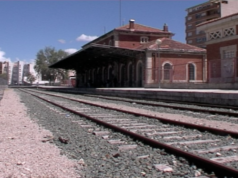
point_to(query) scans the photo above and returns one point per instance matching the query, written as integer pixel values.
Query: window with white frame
(191, 72)
(228, 52)
(190, 34)
(167, 70)
(144, 39)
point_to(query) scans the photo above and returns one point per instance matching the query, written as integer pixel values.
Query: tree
(3, 79)
(30, 78)
(45, 58)
(3, 76)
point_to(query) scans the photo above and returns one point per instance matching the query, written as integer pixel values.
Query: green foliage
(30, 78)
(45, 58)
(3, 76)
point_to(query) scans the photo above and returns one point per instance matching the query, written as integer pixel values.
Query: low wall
(222, 97)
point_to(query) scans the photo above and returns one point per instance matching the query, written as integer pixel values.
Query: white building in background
(18, 71)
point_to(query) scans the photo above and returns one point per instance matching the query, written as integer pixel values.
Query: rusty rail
(219, 169)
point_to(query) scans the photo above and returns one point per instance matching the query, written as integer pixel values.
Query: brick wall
(180, 62)
(213, 50)
(133, 41)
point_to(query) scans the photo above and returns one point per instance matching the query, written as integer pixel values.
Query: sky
(29, 26)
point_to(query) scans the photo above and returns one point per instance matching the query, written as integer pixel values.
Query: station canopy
(96, 55)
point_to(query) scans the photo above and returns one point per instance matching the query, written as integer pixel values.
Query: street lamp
(158, 42)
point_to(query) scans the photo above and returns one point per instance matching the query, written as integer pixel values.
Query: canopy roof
(96, 55)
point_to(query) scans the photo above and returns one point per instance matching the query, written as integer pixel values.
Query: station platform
(209, 96)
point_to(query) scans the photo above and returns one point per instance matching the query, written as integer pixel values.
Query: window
(191, 72)
(201, 39)
(198, 16)
(198, 22)
(190, 41)
(144, 39)
(190, 34)
(189, 17)
(228, 52)
(189, 26)
(167, 68)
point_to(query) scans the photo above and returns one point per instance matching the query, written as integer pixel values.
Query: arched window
(167, 68)
(191, 72)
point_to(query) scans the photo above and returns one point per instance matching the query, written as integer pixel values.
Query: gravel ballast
(25, 150)
(91, 153)
(101, 159)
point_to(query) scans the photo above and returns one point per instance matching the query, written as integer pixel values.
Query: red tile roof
(169, 44)
(139, 27)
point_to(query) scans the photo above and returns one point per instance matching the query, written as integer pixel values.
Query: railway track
(206, 108)
(203, 149)
(216, 114)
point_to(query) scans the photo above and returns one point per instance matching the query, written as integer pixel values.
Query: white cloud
(2, 56)
(71, 50)
(84, 37)
(61, 41)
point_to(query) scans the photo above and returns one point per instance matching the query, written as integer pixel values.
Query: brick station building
(128, 56)
(222, 48)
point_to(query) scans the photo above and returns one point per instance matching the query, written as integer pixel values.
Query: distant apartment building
(207, 11)
(17, 72)
(5, 68)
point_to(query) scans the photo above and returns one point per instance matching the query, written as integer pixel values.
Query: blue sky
(28, 26)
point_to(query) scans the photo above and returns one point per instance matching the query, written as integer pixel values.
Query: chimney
(131, 24)
(166, 29)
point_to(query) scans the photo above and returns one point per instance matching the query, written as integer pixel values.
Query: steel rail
(218, 168)
(175, 107)
(163, 100)
(185, 124)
